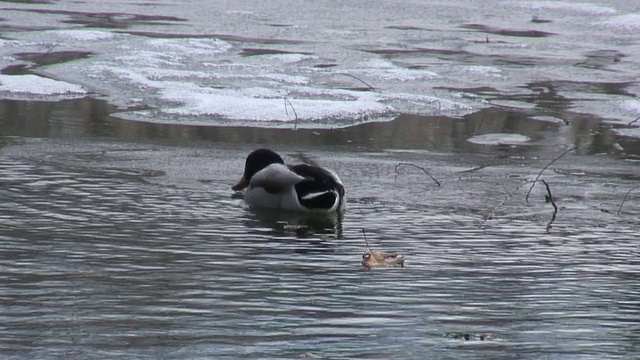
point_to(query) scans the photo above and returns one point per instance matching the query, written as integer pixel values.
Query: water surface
(116, 249)
(121, 132)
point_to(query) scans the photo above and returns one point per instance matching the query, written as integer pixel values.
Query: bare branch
(507, 197)
(477, 168)
(364, 233)
(295, 123)
(625, 198)
(545, 168)
(550, 199)
(41, 58)
(362, 81)
(418, 167)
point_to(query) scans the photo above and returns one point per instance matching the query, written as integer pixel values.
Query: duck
(269, 183)
(373, 258)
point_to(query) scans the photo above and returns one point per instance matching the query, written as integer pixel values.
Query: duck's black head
(256, 161)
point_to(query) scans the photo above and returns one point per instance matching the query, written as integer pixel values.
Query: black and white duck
(269, 183)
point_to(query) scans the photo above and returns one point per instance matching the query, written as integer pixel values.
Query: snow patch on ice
(628, 132)
(191, 46)
(37, 85)
(385, 70)
(623, 112)
(262, 104)
(9, 43)
(425, 104)
(575, 8)
(499, 139)
(629, 22)
(190, 80)
(133, 79)
(82, 35)
(149, 58)
(482, 70)
(632, 106)
(288, 58)
(170, 52)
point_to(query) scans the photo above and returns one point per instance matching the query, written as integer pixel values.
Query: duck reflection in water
(302, 225)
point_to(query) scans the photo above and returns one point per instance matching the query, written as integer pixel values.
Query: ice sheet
(574, 8)
(80, 35)
(629, 22)
(25, 85)
(239, 64)
(499, 139)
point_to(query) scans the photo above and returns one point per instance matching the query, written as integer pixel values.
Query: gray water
(120, 237)
(115, 249)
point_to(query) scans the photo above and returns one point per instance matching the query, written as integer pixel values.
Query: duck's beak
(243, 183)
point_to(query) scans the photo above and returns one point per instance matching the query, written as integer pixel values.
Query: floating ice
(257, 105)
(191, 46)
(288, 58)
(37, 85)
(424, 104)
(633, 106)
(385, 70)
(150, 58)
(482, 70)
(499, 139)
(183, 90)
(628, 132)
(551, 119)
(630, 22)
(622, 112)
(9, 43)
(82, 35)
(574, 8)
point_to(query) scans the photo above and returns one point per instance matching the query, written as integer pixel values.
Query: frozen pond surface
(124, 124)
(329, 64)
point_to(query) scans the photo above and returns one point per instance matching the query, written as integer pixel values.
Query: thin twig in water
(553, 202)
(625, 198)
(545, 168)
(638, 118)
(477, 168)
(418, 167)
(295, 123)
(362, 81)
(509, 195)
(431, 142)
(364, 233)
(439, 106)
(41, 58)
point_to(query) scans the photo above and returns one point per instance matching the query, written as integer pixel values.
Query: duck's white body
(259, 198)
(271, 184)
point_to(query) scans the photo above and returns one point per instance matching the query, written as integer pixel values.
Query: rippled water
(117, 251)
(122, 239)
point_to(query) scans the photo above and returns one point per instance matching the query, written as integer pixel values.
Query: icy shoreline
(262, 68)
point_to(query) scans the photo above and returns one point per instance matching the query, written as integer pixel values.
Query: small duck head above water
(269, 183)
(372, 258)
